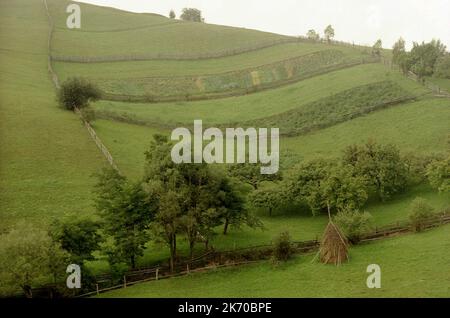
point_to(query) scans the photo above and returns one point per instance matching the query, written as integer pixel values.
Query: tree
(127, 211)
(354, 223)
(172, 14)
(442, 67)
(77, 93)
(420, 212)
(313, 35)
(323, 185)
(29, 256)
(80, 238)
(191, 14)
(342, 190)
(398, 50)
(423, 57)
(381, 166)
(438, 173)
(329, 33)
(305, 184)
(251, 174)
(377, 47)
(268, 198)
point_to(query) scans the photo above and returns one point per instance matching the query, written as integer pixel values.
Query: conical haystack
(334, 246)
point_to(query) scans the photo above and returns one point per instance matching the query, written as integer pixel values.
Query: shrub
(354, 224)
(420, 212)
(77, 92)
(283, 249)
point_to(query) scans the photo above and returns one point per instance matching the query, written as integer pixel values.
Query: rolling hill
(158, 74)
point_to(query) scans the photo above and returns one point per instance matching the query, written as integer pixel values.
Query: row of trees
(171, 200)
(424, 59)
(363, 171)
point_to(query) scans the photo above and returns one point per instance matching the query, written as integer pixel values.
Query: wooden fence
(247, 255)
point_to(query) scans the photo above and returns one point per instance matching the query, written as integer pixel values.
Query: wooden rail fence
(246, 255)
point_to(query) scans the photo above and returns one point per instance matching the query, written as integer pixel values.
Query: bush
(77, 92)
(354, 224)
(420, 212)
(283, 249)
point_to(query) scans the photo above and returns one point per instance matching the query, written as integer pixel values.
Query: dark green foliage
(251, 174)
(354, 224)
(80, 238)
(420, 212)
(282, 247)
(191, 14)
(438, 173)
(424, 56)
(442, 67)
(336, 108)
(77, 93)
(172, 14)
(324, 185)
(127, 211)
(381, 166)
(192, 198)
(269, 198)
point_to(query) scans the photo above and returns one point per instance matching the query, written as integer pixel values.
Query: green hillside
(47, 157)
(157, 74)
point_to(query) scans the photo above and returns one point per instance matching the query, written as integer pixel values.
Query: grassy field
(48, 159)
(163, 37)
(46, 155)
(414, 265)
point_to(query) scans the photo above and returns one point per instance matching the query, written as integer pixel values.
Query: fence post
(96, 288)
(187, 268)
(124, 281)
(157, 273)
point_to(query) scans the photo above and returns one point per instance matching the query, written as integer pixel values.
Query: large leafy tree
(191, 14)
(127, 211)
(398, 50)
(29, 256)
(381, 166)
(423, 57)
(438, 173)
(329, 33)
(77, 93)
(324, 185)
(80, 238)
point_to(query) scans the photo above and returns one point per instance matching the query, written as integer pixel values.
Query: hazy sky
(361, 21)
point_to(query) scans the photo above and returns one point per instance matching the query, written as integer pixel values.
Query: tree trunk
(133, 262)
(27, 291)
(270, 211)
(225, 228)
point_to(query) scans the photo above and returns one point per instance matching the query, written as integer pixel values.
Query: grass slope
(46, 154)
(414, 265)
(164, 37)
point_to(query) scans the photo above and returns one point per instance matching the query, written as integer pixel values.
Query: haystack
(334, 246)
